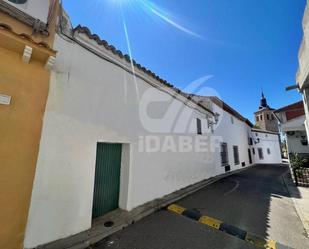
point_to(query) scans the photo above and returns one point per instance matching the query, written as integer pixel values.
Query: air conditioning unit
(291, 133)
(37, 9)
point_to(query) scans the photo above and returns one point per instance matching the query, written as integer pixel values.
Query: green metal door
(107, 179)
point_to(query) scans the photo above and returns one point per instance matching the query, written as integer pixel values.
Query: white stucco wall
(234, 134)
(294, 142)
(303, 54)
(266, 141)
(303, 70)
(295, 131)
(35, 8)
(305, 95)
(92, 100)
(296, 124)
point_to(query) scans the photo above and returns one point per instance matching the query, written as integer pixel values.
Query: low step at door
(107, 179)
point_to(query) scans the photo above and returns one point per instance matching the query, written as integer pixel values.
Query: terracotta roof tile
(230, 110)
(224, 106)
(297, 105)
(24, 36)
(264, 131)
(85, 30)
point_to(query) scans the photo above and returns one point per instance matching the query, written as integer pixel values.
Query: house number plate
(5, 99)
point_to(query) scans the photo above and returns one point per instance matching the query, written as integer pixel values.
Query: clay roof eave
(7, 33)
(290, 107)
(84, 30)
(264, 131)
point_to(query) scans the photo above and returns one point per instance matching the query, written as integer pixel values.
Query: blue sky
(247, 45)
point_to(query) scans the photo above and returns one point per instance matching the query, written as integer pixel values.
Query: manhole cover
(108, 224)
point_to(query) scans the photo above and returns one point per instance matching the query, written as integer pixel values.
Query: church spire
(263, 103)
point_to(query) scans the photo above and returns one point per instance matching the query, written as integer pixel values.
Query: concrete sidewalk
(300, 197)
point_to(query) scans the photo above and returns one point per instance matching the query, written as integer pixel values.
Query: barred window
(261, 155)
(224, 154)
(199, 126)
(236, 155)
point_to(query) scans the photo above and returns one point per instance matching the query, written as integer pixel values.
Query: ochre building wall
(20, 122)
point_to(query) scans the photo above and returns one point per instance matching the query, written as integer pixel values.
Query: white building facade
(302, 76)
(163, 140)
(292, 119)
(265, 147)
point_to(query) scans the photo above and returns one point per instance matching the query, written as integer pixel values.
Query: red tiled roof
(264, 131)
(230, 110)
(24, 36)
(224, 106)
(293, 111)
(298, 104)
(85, 30)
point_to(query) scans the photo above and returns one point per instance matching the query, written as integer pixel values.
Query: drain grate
(108, 224)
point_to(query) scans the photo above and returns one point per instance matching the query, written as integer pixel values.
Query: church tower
(265, 118)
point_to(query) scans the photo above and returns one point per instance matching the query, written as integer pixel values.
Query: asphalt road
(255, 200)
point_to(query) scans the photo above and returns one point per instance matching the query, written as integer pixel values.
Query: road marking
(226, 228)
(233, 189)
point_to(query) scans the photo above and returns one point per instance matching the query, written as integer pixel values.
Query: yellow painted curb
(214, 223)
(217, 224)
(260, 242)
(176, 209)
(271, 244)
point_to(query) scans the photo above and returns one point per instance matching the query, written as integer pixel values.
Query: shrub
(297, 161)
